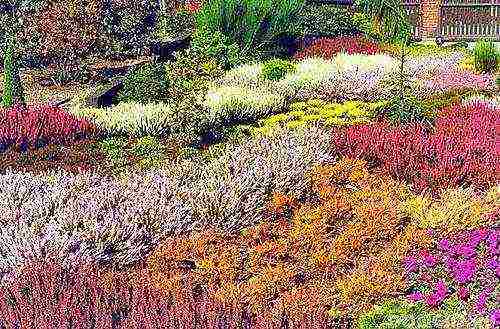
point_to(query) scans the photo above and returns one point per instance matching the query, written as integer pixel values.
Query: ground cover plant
(284, 169)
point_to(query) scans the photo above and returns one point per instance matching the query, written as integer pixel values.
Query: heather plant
(316, 111)
(403, 314)
(301, 242)
(47, 295)
(456, 209)
(38, 125)
(132, 119)
(461, 265)
(486, 56)
(346, 77)
(330, 47)
(459, 151)
(117, 220)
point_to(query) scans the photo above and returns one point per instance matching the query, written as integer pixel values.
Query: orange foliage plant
(341, 250)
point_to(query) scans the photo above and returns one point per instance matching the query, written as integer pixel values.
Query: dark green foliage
(146, 83)
(388, 15)
(325, 20)
(460, 45)
(498, 80)
(13, 90)
(174, 26)
(209, 44)
(276, 69)
(486, 56)
(404, 107)
(252, 25)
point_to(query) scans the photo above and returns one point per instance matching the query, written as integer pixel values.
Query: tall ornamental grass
(251, 24)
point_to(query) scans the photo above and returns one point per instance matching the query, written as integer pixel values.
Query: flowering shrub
(117, 220)
(461, 149)
(329, 47)
(456, 209)
(36, 125)
(456, 80)
(283, 262)
(316, 111)
(462, 265)
(132, 119)
(48, 295)
(343, 78)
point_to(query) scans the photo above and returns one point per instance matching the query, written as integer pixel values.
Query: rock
(164, 50)
(107, 96)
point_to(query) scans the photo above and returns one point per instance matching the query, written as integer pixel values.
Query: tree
(389, 18)
(12, 13)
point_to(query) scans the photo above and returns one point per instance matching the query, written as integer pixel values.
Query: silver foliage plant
(116, 221)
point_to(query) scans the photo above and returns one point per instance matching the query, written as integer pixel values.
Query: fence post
(430, 11)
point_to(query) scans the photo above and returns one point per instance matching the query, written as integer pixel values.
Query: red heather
(328, 47)
(40, 122)
(462, 148)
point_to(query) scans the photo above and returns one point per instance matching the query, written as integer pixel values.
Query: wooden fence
(469, 20)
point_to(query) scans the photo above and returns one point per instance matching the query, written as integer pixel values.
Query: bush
(406, 315)
(209, 44)
(455, 153)
(251, 25)
(329, 47)
(486, 56)
(131, 119)
(276, 69)
(229, 192)
(364, 24)
(178, 25)
(146, 83)
(325, 20)
(455, 210)
(318, 112)
(300, 243)
(38, 125)
(462, 266)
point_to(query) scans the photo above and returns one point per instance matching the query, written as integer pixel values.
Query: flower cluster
(329, 47)
(464, 264)
(38, 125)
(118, 220)
(461, 149)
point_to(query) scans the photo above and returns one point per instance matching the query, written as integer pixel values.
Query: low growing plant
(486, 56)
(276, 69)
(146, 83)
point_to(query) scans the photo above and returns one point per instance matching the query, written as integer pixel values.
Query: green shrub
(486, 56)
(364, 24)
(146, 83)
(250, 24)
(175, 26)
(147, 146)
(325, 20)
(497, 80)
(406, 315)
(276, 69)
(208, 44)
(13, 91)
(389, 18)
